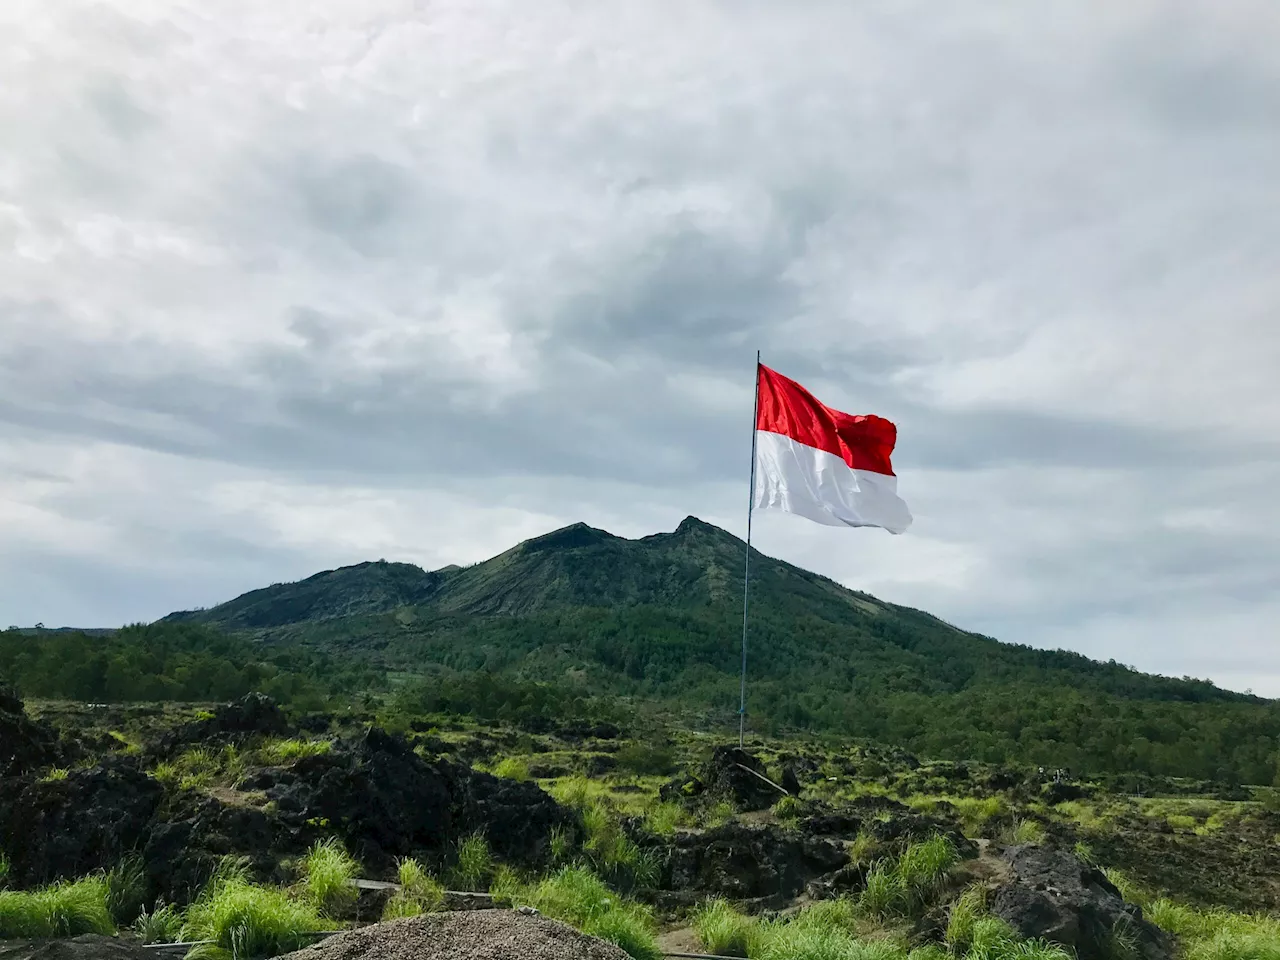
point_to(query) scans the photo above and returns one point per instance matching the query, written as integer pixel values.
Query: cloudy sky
(295, 284)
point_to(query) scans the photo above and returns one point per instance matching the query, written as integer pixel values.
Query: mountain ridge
(686, 579)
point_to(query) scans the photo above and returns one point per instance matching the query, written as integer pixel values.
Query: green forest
(579, 624)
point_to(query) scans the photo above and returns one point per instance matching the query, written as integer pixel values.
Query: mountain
(660, 617)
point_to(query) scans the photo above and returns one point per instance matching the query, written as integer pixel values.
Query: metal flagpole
(746, 570)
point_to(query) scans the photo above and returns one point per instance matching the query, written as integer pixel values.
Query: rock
(89, 946)
(253, 714)
(848, 879)
(598, 764)
(746, 862)
(1060, 791)
(680, 789)
(1052, 895)
(70, 827)
(387, 802)
(733, 774)
(790, 782)
(25, 744)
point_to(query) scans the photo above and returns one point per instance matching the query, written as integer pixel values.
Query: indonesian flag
(822, 464)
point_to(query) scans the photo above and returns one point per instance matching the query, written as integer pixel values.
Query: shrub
(513, 768)
(474, 863)
(161, 925)
(646, 758)
(247, 920)
(327, 874)
(61, 910)
(722, 930)
(126, 890)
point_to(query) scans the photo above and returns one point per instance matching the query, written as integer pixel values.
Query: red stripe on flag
(864, 442)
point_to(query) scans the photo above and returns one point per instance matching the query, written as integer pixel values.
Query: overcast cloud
(295, 284)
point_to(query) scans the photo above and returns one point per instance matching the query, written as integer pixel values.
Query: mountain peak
(566, 538)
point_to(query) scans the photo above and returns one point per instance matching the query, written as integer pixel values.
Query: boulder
(734, 775)
(252, 715)
(748, 862)
(1052, 895)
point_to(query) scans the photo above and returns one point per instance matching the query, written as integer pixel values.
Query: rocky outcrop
(251, 715)
(748, 862)
(374, 793)
(24, 744)
(69, 827)
(1052, 895)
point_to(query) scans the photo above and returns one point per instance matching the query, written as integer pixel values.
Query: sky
(290, 285)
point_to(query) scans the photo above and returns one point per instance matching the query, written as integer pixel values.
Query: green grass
(789, 809)
(908, 885)
(327, 872)
(561, 844)
(201, 768)
(1028, 831)
(513, 768)
(963, 917)
(57, 773)
(161, 925)
(663, 819)
(249, 921)
(722, 930)
(4, 870)
(578, 897)
(61, 910)
(281, 752)
(419, 892)
(473, 864)
(1217, 934)
(126, 890)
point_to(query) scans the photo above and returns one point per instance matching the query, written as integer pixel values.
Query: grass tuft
(127, 890)
(789, 809)
(473, 864)
(248, 921)
(963, 917)
(513, 768)
(57, 773)
(662, 819)
(578, 897)
(722, 930)
(65, 909)
(4, 869)
(281, 752)
(161, 925)
(327, 874)
(419, 892)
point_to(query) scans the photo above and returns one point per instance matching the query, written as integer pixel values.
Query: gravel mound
(470, 935)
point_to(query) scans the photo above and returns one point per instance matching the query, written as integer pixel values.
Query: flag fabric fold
(827, 466)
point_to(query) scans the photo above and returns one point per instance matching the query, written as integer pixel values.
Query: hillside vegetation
(581, 621)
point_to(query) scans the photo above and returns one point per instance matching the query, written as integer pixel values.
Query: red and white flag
(819, 463)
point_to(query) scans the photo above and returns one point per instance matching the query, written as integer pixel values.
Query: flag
(819, 463)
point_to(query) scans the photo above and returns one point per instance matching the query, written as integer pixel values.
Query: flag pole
(746, 570)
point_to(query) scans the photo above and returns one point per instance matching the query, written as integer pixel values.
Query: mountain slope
(644, 615)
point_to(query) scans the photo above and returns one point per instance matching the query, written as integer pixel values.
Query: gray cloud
(279, 293)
